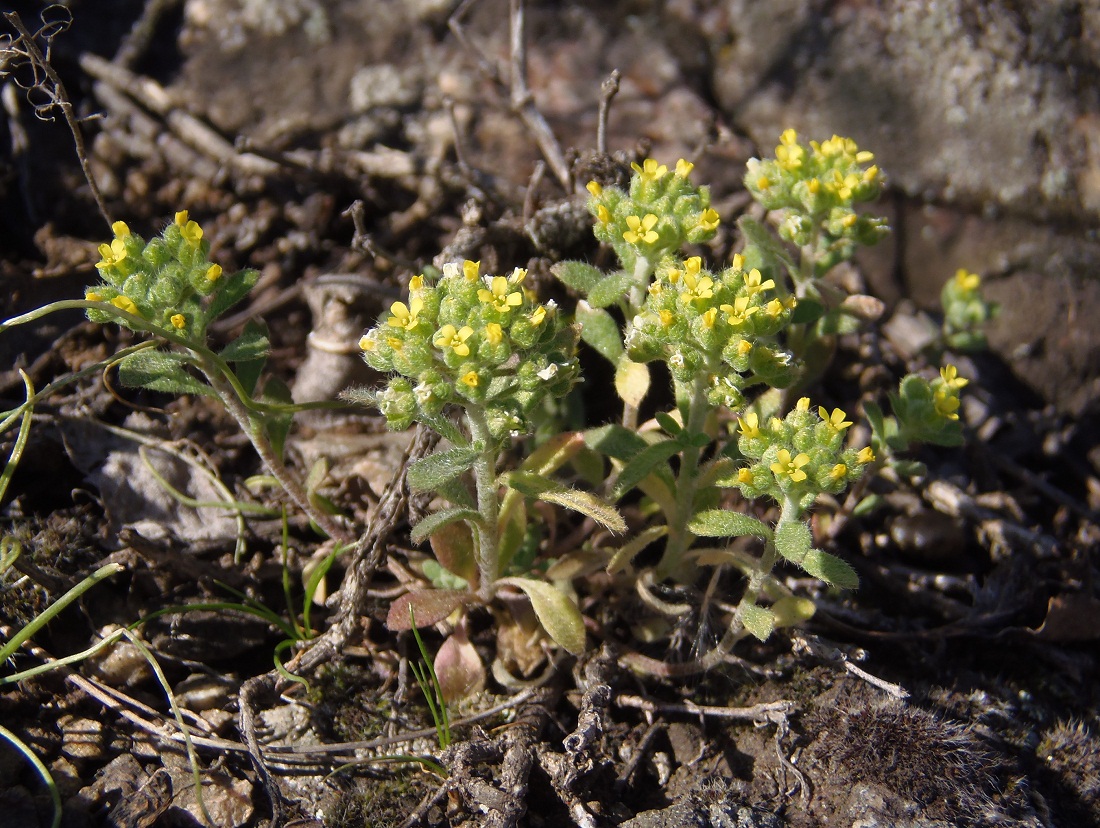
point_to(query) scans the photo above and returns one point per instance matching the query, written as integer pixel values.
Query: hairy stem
(488, 502)
(291, 485)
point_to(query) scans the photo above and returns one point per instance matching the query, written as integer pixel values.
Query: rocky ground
(339, 147)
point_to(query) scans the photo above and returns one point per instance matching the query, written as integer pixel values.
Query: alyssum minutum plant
(730, 340)
(483, 347)
(168, 290)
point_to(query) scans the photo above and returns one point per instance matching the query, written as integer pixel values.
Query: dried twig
(767, 712)
(519, 93)
(49, 82)
(608, 90)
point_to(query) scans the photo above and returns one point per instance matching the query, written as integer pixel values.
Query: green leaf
(232, 290)
(435, 521)
(829, 568)
(627, 552)
(253, 343)
(430, 607)
(615, 441)
(160, 371)
(556, 612)
(431, 472)
(645, 461)
(584, 502)
(759, 621)
(601, 331)
(793, 540)
(762, 245)
(631, 381)
(668, 423)
(610, 290)
(580, 276)
(722, 523)
(277, 425)
(807, 310)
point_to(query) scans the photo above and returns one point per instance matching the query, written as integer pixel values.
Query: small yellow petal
(179, 321)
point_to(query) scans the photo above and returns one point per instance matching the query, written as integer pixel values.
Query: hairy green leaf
(759, 621)
(610, 290)
(435, 521)
(642, 463)
(793, 540)
(556, 612)
(584, 502)
(160, 371)
(232, 290)
(723, 523)
(629, 550)
(831, 569)
(600, 331)
(631, 381)
(453, 546)
(253, 343)
(580, 276)
(431, 472)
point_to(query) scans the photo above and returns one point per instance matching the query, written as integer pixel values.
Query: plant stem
(266, 451)
(488, 501)
(679, 538)
(643, 269)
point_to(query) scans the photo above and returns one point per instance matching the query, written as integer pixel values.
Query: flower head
(834, 421)
(967, 282)
(790, 466)
(749, 424)
(179, 321)
(649, 170)
(709, 220)
(951, 378)
(112, 253)
(449, 337)
(498, 296)
(684, 168)
(641, 229)
(755, 283)
(213, 273)
(866, 455)
(126, 304)
(405, 316)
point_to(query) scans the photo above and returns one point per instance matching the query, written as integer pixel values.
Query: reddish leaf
(430, 606)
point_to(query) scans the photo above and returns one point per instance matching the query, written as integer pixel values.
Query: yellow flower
(126, 304)
(684, 168)
(594, 188)
(709, 317)
(951, 378)
(416, 283)
(190, 231)
(471, 270)
(838, 471)
(947, 405)
(737, 262)
(366, 343)
(814, 186)
(666, 317)
(790, 466)
(966, 281)
(179, 321)
(395, 343)
(181, 218)
(789, 153)
(641, 229)
(866, 455)
(213, 273)
(517, 277)
(112, 253)
(494, 333)
(92, 296)
(120, 229)
(498, 295)
(739, 311)
(538, 315)
(749, 424)
(404, 316)
(836, 420)
(763, 182)
(754, 282)
(602, 214)
(448, 337)
(696, 288)
(870, 175)
(744, 347)
(744, 476)
(709, 220)
(649, 170)
(774, 308)
(470, 379)
(803, 404)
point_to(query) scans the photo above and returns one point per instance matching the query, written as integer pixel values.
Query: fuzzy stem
(251, 427)
(488, 501)
(679, 537)
(643, 269)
